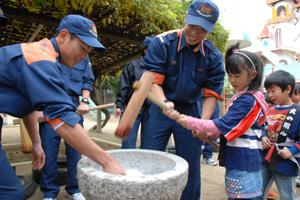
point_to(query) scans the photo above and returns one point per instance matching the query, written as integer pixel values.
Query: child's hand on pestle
(200, 135)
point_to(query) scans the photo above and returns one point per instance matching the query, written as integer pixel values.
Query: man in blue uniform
(184, 63)
(31, 79)
(79, 82)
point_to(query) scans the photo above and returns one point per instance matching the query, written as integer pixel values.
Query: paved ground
(212, 176)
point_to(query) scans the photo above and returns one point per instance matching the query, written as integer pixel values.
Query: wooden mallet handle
(135, 103)
(102, 106)
(162, 105)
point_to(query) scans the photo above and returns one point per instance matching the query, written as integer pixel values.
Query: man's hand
(113, 167)
(83, 108)
(38, 157)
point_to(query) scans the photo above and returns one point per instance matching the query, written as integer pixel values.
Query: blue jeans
(286, 185)
(207, 152)
(49, 181)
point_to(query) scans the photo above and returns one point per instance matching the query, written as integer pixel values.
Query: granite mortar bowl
(151, 175)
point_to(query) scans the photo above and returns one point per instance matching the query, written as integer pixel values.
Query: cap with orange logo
(203, 13)
(83, 28)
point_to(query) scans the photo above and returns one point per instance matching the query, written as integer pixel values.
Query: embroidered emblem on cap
(205, 10)
(93, 30)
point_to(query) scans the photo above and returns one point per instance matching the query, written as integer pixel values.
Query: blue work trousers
(49, 180)
(10, 185)
(157, 132)
(130, 141)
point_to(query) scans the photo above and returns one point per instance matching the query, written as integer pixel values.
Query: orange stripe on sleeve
(158, 78)
(55, 122)
(38, 51)
(210, 93)
(179, 40)
(245, 124)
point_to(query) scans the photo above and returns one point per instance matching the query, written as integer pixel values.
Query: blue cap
(83, 28)
(3, 18)
(146, 42)
(203, 13)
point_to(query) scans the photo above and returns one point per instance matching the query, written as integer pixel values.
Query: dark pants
(158, 130)
(49, 181)
(130, 141)
(10, 186)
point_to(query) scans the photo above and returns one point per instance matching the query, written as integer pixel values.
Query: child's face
(279, 97)
(296, 97)
(240, 81)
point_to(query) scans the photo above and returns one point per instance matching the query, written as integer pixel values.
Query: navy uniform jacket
(184, 71)
(79, 78)
(131, 73)
(31, 79)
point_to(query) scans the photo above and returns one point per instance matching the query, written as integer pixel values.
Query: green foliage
(142, 17)
(112, 83)
(219, 36)
(146, 16)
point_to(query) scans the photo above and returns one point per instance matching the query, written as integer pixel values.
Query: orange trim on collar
(196, 49)
(180, 37)
(200, 45)
(38, 51)
(158, 78)
(210, 93)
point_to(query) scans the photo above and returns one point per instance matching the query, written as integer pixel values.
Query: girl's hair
(236, 60)
(297, 89)
(281, 79)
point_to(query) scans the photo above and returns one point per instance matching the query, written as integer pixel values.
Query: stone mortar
(151, 175)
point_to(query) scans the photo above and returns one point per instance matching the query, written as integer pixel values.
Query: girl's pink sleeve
(202, 125)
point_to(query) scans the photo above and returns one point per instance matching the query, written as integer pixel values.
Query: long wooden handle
(42, 119)
(151, 97)
(134, 105)
(102, 106)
